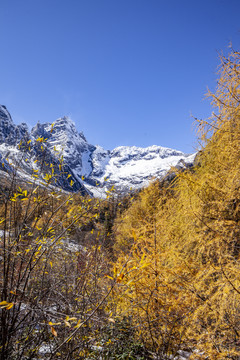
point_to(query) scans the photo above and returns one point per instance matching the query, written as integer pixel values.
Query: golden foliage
(181, 243)
(175, 284)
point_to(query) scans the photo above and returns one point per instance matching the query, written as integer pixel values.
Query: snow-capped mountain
(64, 140)
(92, 168)
(128, 167)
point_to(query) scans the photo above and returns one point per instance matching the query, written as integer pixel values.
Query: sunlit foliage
(154, 275)
(180, 243)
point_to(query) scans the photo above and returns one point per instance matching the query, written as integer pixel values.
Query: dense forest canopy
(152, 275)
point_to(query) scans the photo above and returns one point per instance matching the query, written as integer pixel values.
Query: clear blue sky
(128, 72)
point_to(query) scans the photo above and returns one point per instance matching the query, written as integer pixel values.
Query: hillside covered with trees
(149, 275)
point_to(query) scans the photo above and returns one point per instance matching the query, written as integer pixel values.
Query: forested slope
(151, 275)
(181, 283)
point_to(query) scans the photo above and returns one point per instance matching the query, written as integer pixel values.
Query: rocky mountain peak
(10, 133)
(4, 114)
(64, 124)
(124, 167)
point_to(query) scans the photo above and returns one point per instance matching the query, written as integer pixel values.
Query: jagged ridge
(124, 167)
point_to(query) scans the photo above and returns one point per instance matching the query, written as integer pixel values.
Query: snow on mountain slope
(22, 153)
(133, 167)
(124, 167)
(64, 140)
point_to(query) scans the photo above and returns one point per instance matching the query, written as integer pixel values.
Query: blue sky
(128, 72)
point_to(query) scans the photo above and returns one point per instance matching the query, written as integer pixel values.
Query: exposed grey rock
(124, 167)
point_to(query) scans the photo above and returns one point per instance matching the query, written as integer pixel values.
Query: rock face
(92, 168)
(10, 134)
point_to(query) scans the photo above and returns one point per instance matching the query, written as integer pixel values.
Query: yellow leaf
(39, 139)
(10, 305)
(67, 323)
(110, 277)
(78, 324)
(51, 323)
(7, 305)
(111, 320)
(35, 189)
(53, 331)
(2, 303)
(119, 278)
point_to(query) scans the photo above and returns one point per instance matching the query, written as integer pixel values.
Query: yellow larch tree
(180, 242)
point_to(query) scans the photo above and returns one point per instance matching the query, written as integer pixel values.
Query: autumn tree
(52, 286)
(181, 244)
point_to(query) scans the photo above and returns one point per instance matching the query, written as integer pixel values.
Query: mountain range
(93, 169)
